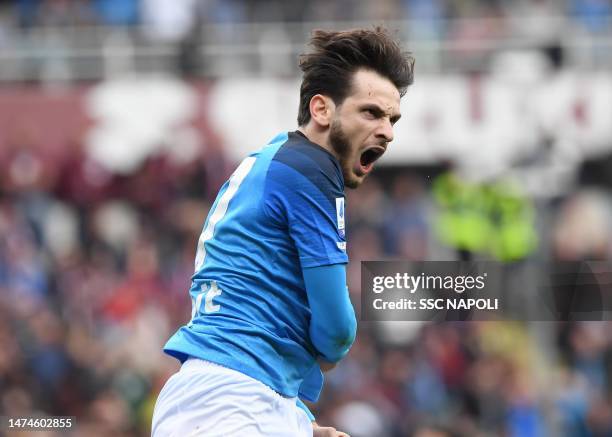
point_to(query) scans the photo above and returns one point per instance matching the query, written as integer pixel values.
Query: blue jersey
(282, 210)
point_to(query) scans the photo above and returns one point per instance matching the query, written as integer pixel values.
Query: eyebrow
(379, 112)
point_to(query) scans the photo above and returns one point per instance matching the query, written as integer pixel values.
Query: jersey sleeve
(308, 200)
(333, 325)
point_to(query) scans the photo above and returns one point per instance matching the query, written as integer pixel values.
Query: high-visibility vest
(513, 220)
(484, 218)
(463, 221)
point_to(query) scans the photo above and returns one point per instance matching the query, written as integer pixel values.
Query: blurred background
(120, 120)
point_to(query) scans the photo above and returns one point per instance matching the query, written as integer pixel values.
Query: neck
(318, 136)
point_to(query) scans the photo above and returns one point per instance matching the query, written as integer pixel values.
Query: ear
(322, 110)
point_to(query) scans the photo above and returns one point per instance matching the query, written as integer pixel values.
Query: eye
(370, 113)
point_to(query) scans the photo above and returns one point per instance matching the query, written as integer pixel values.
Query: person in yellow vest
(484, 218)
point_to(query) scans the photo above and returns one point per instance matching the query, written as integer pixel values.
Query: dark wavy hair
(328, 69)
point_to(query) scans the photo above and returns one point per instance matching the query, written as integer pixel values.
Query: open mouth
(369, 156)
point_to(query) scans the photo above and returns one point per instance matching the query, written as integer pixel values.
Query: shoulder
(299, 159)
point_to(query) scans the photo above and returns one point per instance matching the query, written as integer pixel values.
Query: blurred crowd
(67, 40)
(94, 277)
(592, 15)
(94, 273)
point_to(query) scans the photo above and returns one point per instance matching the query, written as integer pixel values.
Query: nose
(385, 130)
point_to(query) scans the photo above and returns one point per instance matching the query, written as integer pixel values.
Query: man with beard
(270, 306)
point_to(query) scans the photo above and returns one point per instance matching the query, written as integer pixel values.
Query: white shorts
(205, 399)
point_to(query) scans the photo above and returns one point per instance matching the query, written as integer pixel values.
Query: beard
(342, 148)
